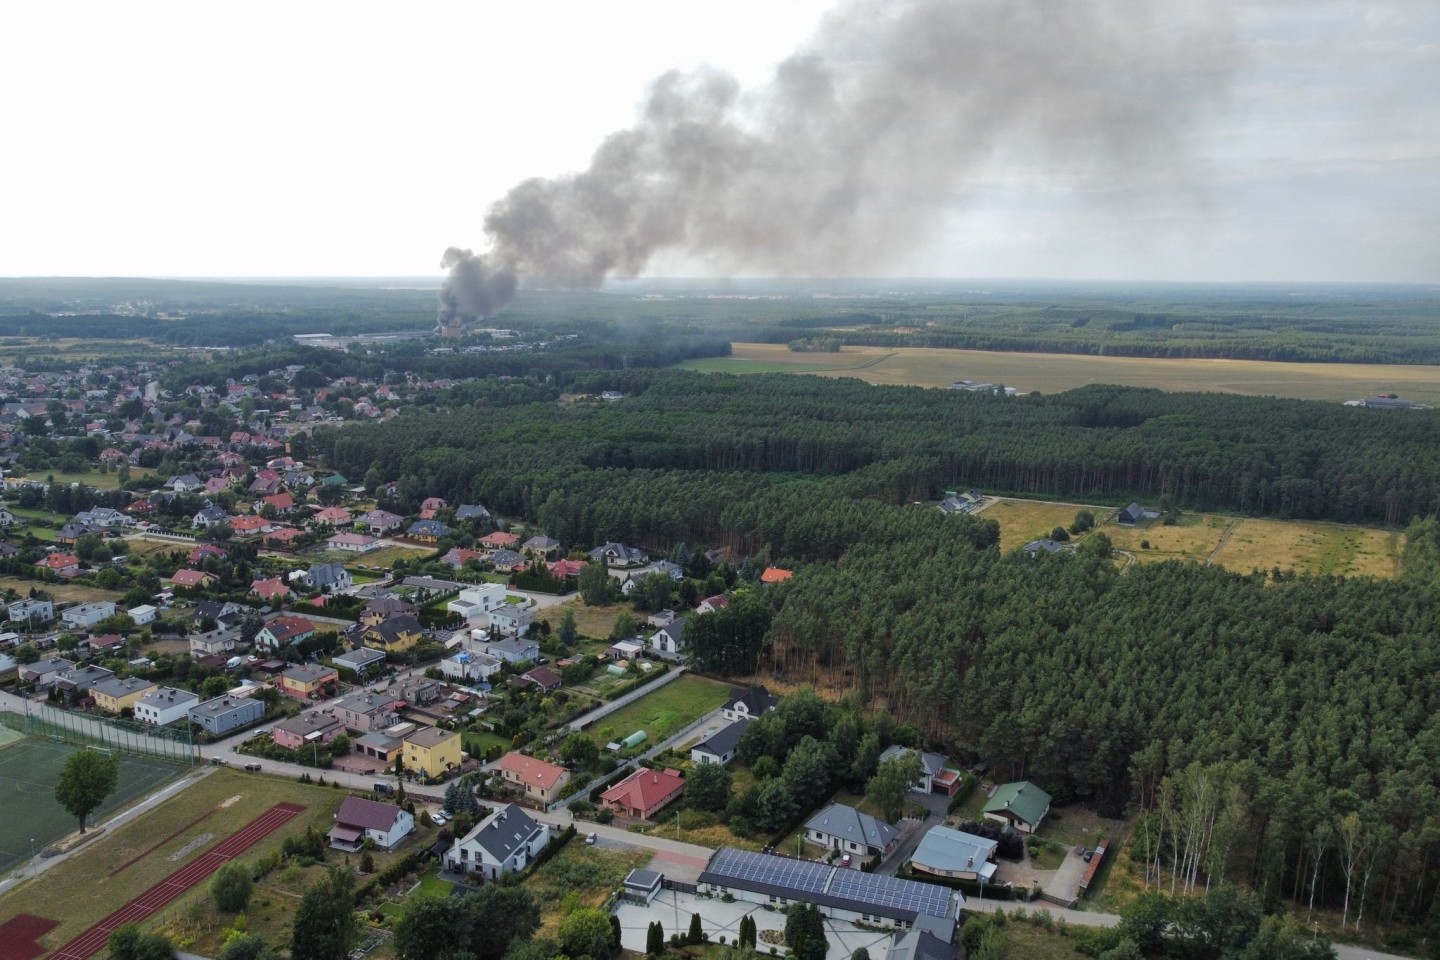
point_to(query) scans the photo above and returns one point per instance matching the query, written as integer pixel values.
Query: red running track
(167, 891)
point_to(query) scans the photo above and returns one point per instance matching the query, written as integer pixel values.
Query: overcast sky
(315, 139)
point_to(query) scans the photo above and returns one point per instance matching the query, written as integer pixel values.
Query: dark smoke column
(882, 126)
(473, 289)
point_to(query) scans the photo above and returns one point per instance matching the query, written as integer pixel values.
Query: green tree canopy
(87, 779)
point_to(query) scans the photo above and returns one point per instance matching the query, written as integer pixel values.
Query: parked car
(253, 767)
(590, 837)
(440, 817)
(218, 761)
(845, 860)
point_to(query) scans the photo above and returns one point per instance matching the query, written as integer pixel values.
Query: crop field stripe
(170, 889)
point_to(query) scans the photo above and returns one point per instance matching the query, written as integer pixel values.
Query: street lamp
(32, 856)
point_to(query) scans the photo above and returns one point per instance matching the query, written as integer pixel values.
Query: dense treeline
(1294, 720)
(1203, 451)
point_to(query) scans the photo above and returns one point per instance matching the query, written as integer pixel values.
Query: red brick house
(644, 792)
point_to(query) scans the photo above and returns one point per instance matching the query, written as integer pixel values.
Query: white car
(440, 817)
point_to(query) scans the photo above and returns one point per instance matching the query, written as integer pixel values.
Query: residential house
(203, 551)
(513, 649)
(361, 662)
(86, 615)
(208, 517)
(71, 533)
(721, 746)
(543, 679)
(541, 547)
(748, 703)
(187, 483)
(284, 631)
(432, 751)
(427, 531)
(923, 944)
(430, 506)
(359, 819)
(7, 519)
(224, 613)
(512, 619)
(191, 579)
(774, 575)
(565, 569)
(471, 511)
(1134, 514)
(63, 565)
(499, 540)
(712, 604)
(506, 561)
(1022, 805)
(540, 782)
(505, 842)
(104, 517)
(141, 615)
(625, 649)
(618, 555)
(394, 635)
(660, 618)
(165, 706)
(216, 643)
(271, 590)
(302, 730)
(418, 691)
(250, 525)
(334, 516)
(1035, 547)
(838, 827)
(32, 612)
(953, 854)
(643, 793)
(669, 640)
(74, 685)
(106, 645)
(934, 777)
(364, 711)
(282, 503)
(352, 543)
(42, 672)
(381, 522)
(379, 746)
(283, 538)
(469, 667)
(329, 578)
(226, 714)
(457, 557)
(307, 681)
(480, 599)
(114, 694)
(383, 608)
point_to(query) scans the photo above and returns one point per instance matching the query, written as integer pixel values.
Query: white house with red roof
(358, 819)
(540, 781)
(644, 792)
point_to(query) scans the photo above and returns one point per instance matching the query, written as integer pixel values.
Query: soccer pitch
(29, 770)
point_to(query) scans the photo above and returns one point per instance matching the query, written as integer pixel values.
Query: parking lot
(721, 919)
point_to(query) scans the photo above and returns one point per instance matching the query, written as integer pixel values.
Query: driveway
(1064, 883)
(720, 919)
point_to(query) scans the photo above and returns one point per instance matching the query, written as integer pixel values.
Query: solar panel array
(802, 876)
(882, 891)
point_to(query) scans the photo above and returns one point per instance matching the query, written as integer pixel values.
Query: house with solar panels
(839, 892)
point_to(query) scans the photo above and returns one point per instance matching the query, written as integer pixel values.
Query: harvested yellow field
(1322, 548)
(60, 590)
(1024, 520)
(1195, 537)
(1055, 372)
(1235, 543)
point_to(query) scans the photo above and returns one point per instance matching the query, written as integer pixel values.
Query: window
(464, 854)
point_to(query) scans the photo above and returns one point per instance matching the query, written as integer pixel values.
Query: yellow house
(114, 694)
(394, 635)
(432, 751)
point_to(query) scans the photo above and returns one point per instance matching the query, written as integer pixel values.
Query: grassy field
(1024, 520)
(30, 768)
(1235, 543)
(1054, 373)
(383, 558)
(89, 886)
(579, 876)
(595, 621)
(90, 478)
(68, 592)
(662, 712)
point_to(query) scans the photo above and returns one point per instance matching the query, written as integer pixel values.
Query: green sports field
(29, 769)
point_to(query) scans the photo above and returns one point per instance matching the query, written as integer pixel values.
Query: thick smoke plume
(869, 134)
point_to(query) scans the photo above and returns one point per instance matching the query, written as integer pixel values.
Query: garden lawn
(663, 712)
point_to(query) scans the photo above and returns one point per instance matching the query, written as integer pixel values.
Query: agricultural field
(61, 591)
(89, 886)
(663, 712)
(1241, 544)
(1024, 520)
(1055, 373)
